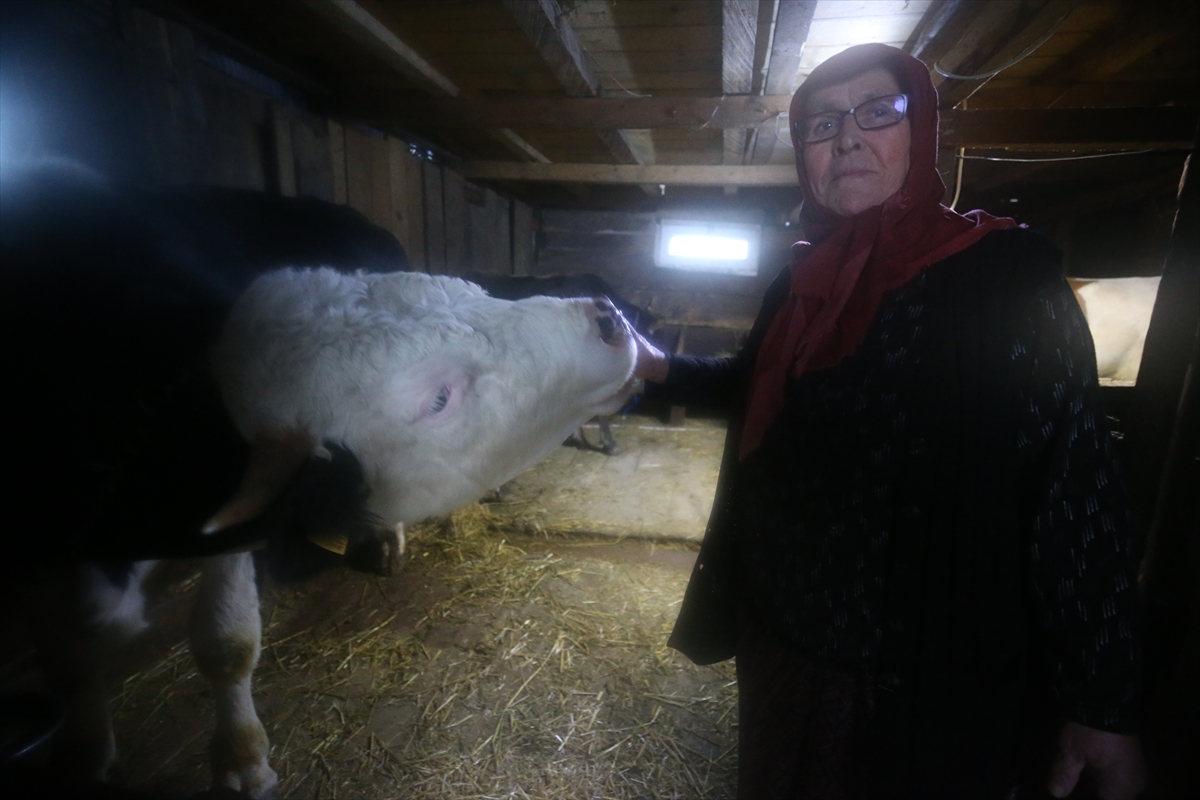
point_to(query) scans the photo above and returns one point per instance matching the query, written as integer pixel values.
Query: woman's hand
(1113, 761)
(652, 363)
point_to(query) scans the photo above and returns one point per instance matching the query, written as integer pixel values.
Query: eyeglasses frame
(851, 112)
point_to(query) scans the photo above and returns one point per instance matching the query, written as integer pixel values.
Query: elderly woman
(919, 551)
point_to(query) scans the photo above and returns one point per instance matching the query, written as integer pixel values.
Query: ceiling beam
(1104, 94)
(739, 30)
(745, 111)
(1000, 36)
(364, 28)
(1128, 39)
(943, 24)
(792, 21)
(1083, 128)
(666, 174)
(369, 31)
(1167, 128)
(548, 30)
(739, 33)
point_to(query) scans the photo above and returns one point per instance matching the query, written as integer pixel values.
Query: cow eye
(439, 402)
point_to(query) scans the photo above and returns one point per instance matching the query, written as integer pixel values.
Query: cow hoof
(258, 781)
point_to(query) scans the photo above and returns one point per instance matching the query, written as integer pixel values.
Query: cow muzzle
(614, 329)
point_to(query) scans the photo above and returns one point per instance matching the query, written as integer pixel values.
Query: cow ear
(275, 458)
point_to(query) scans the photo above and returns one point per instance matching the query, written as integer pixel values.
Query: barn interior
(521, 651)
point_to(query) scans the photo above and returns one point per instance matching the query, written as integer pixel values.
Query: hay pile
(503, 661)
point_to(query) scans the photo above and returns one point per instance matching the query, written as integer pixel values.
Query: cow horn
(275, 457)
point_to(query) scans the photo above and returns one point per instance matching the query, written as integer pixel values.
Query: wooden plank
(555, 40)
(281, 146)
(943, 24)
(782, 175)
(522, 238)
(337, 158)
(405, 181)
(791, 31)
(1107, 94)
(557, 43)
(1003, 49)
(1074, 128)
(454, 207)
(312, 157)
(366, 29)
(383, 201)
(360, 194)
(500, 233)
(738, 35)
(1166, 382)
(435, 218)
(535, 110)
(1136, 34)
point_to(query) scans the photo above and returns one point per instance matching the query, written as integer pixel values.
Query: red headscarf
(839, 280)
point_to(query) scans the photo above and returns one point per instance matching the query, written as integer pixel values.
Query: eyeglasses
(872, 115)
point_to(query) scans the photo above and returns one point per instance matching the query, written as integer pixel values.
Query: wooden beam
(555, 40)
(365, 28)
(738, 33)
(940, 28)
(1168, 128)
(1129, 38)
(523, 149)
(552, 36)
(522, 111)
(1104, 94)
(671, 175)
(792, 21)
(1083, 128)
(1000, 36)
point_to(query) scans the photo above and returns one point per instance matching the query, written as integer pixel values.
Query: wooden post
(435, 219)
(453, 206)
(337, 158)
(522, 238)
(408, 201)
(285, 160)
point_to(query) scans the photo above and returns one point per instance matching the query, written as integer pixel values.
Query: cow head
(441, 391)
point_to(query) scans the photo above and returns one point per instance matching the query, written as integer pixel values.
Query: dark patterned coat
(941, 510)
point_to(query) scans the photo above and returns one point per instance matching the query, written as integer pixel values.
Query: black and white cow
(172, 394)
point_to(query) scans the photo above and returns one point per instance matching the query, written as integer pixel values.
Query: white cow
(439, 390)
(1118, 313)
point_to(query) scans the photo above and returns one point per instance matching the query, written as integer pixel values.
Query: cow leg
(226, 633)
(86, 615)
(608, 445)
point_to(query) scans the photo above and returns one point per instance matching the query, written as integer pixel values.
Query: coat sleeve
(1081, 560)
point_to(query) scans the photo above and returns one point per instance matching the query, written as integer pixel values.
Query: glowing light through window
(730, 248)
(725, 248)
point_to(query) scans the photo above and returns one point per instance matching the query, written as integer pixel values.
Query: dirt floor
(515, 655)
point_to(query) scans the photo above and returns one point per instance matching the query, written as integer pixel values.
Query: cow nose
(612, 324)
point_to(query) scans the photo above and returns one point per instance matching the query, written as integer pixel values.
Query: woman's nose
(849, 138)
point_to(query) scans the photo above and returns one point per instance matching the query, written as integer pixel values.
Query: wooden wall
(172, 111)
(710, 313)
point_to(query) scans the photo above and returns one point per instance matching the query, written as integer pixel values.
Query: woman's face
(856, 169)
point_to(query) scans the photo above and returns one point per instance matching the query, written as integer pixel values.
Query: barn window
(724, 247)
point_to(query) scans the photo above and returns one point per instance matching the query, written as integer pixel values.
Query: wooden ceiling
(639, 98)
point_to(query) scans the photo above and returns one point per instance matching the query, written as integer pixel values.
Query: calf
(1118, 313)
(176, 397)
